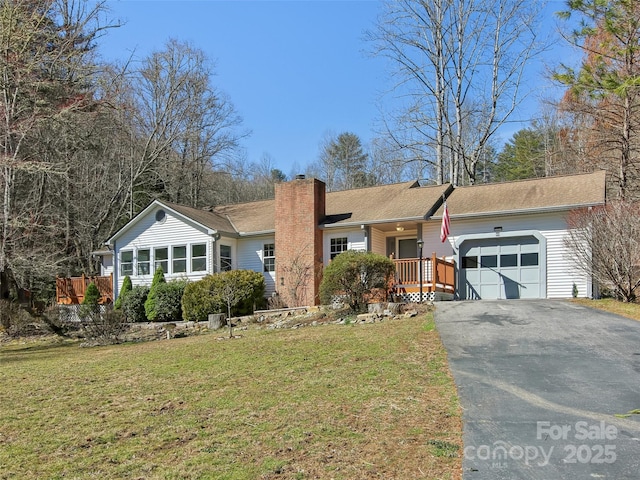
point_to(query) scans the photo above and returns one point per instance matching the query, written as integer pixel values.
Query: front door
(407, 248)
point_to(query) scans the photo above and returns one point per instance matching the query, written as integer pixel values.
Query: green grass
(629, 310)
(366, 401)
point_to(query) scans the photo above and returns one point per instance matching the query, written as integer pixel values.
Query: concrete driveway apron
(540, 383)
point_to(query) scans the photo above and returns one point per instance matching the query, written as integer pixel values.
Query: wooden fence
(70, 291)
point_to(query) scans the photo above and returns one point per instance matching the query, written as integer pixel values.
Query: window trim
(227, 265)
(192, 258)
(165, 261)
(139, 263)
(269, 266)
(333, 242)
(179, 259)
(123, 263)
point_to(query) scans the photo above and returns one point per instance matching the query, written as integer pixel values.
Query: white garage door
(500, 268)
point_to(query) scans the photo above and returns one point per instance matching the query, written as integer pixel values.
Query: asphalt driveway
(540, 383)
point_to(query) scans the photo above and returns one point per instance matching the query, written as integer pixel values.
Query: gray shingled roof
(209, 219)
(250, 217)
(394, 202)
(561, 192)
(409, 201)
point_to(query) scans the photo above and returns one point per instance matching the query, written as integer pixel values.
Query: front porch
(70, 291)
(433, 277)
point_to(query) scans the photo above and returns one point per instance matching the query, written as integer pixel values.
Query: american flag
(446, 224)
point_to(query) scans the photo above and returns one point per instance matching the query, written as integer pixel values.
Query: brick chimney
(300, 207)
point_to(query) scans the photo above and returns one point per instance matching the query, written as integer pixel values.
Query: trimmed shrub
(126, 288)
(199, 300)
(168, 301)
(251, 287)
(353, 275)
(206, 296)
(90, 303)
(150, 306)
(133, 304)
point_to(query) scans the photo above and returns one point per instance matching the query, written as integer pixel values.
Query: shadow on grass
(16, 353)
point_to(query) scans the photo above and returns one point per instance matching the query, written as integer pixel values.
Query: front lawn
(333, 401)
(629, 310)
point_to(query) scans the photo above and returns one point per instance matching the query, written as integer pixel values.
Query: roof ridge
(535, 179)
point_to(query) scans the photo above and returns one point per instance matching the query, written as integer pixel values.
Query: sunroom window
(126, 262)
(179, 259)
(144, 262)
(161, 259)
(199, 257)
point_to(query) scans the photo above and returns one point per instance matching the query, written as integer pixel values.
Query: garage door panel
(489, 291)
(530, 290)
(530, 275)
(506, 268)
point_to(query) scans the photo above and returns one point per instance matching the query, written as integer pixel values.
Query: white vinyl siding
(378, 242)
(250, 257)
(355, 241)
(149, 234)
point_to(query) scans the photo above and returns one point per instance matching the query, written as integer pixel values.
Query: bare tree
(186, 126)
(605, 243)
(46, 73)
(460, 65)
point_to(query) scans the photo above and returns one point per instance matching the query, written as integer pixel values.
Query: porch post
(434, 272)
(420, 245)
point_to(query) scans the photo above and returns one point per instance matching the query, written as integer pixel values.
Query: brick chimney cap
(300, 176)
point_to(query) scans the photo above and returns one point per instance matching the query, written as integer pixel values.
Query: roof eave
(524, 211)
(371, 222)
(256, 233)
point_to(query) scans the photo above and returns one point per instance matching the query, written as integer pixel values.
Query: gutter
(521, 211)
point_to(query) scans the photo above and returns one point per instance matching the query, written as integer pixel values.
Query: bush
(205, 296)
(251, 289)
(104, 327)
(14, 320)
(90, 303)
(133, 304)
(150, 306)
(353, 275)
(126, 288)
(168, 301)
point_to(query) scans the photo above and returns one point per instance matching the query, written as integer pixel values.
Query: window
(509, 260)
(126, 263)
(337, 246)
(225, 258)
(179, 259)
(469, 262)
(269, 257)
(489, 261)
(199, 257)
(144, 262)
(528, 259)
(161, 216)
(161, 259)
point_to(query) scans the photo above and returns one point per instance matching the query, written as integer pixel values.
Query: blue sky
(294, 70)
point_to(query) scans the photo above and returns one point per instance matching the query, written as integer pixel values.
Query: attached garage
(499, 266)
